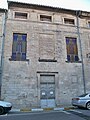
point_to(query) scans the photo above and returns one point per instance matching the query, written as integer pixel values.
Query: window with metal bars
(89, 24)
(20, 15)
(45, 18)
(19, 47)
(69, 21)
(72, 50)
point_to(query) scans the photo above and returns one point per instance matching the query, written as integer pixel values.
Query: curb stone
(15, 110)
(42, 109)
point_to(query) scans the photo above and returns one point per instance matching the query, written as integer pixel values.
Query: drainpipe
(2, 47)
(78, 32)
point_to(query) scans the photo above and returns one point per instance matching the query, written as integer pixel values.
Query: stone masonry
(21, 79)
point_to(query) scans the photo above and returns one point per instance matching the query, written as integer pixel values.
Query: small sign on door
(43, 93)
(51, 92)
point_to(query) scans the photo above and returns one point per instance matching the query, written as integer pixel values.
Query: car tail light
(75, 99)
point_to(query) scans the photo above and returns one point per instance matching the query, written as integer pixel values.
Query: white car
(5, 107)
(82, 101)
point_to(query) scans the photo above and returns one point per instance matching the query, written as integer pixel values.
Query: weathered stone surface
(20, 82)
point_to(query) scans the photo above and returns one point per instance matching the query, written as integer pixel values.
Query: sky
(83, 5)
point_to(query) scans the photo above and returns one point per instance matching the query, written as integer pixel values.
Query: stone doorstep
(42, 109)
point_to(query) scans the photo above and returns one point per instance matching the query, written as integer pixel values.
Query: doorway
(47, 91)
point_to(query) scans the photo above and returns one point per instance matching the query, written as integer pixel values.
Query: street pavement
(72, 114)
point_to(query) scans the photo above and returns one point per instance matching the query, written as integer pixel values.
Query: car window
(83, 95)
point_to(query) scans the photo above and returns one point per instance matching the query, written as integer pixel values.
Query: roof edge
(50, 8)
(3, 10)
(39, 5)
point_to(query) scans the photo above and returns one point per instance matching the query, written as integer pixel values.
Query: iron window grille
(20, 15)
(45, 18)
(89, 24)
(69, 21)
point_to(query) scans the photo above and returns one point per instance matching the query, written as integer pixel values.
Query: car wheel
(88, 105)
(1, 110)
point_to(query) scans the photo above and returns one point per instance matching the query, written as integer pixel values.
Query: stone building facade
(46, 55)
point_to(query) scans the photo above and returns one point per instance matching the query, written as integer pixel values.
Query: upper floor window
(19, 47)
(20, 15)
(69, 21)
(89, 24)
(72, 50)
(45, 18)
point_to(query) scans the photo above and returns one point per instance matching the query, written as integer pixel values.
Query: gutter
(2, 47)
(78, 14)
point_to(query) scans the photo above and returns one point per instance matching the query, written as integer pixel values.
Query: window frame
(21, 15)
(89, 24)
(69, 21)
(19, 47)
(45, 18)
(73, 56)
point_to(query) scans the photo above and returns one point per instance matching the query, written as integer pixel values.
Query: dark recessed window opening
(45, 18)
(20, 15)
(19, 47)
(89, 24)
(69, 21)
(72, 50)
